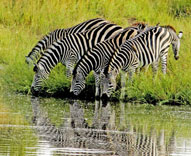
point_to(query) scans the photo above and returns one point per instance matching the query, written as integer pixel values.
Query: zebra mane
(169, 27)
(133, 26)
(138, 23)
(87, 33)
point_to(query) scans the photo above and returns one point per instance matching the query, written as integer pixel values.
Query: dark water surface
(32, 126)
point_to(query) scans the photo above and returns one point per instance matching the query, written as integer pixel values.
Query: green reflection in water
(115, 128)
(16, 134)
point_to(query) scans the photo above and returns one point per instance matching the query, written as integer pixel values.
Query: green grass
(24, 22)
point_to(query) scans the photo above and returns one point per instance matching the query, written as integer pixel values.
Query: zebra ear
(180, 34)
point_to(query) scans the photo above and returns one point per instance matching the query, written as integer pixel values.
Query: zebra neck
(66, 49)
(122, 57)
(118, 40)
(85, 65)
(53, 55)
(79, 44)
(115, 65)
(172, 36)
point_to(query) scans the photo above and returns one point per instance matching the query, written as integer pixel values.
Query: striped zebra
(97, 59)
(48, 39)
(69, 50)
(145, 49)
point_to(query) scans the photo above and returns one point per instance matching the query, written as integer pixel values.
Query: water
(31, 126)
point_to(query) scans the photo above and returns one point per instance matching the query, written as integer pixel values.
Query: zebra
(48, 39)
(97, 59)
(69, 50)
(145, 49)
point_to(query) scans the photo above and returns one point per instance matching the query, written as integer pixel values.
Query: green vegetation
(146, 117)
(24, 22)
(16, 133)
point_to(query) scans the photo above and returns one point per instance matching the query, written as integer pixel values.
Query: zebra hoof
(34, 92)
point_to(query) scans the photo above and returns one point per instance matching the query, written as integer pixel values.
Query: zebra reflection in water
(75, 132)
(101, 135)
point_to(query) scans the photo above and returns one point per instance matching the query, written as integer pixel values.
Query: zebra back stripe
(48, 39)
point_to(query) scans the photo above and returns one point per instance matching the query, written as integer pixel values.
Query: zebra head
(109, 82)
(78, 82)
(176, 44)
(39, 76)
(29, 60)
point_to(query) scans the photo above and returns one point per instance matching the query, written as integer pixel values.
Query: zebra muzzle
(176, 57)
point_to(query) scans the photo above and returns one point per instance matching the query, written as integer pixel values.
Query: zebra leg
(138, 70)
(102, 83)
(164, 63)
(123, 82)
(155, 69)
(97, 84)
(146, 69)
(131, 72)
(142, 69)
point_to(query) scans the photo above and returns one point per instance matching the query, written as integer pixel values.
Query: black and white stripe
(145, 49)
(98, 58)
(69, 50)
(48, 39)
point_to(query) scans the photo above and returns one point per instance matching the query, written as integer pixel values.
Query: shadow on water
(58, 127)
